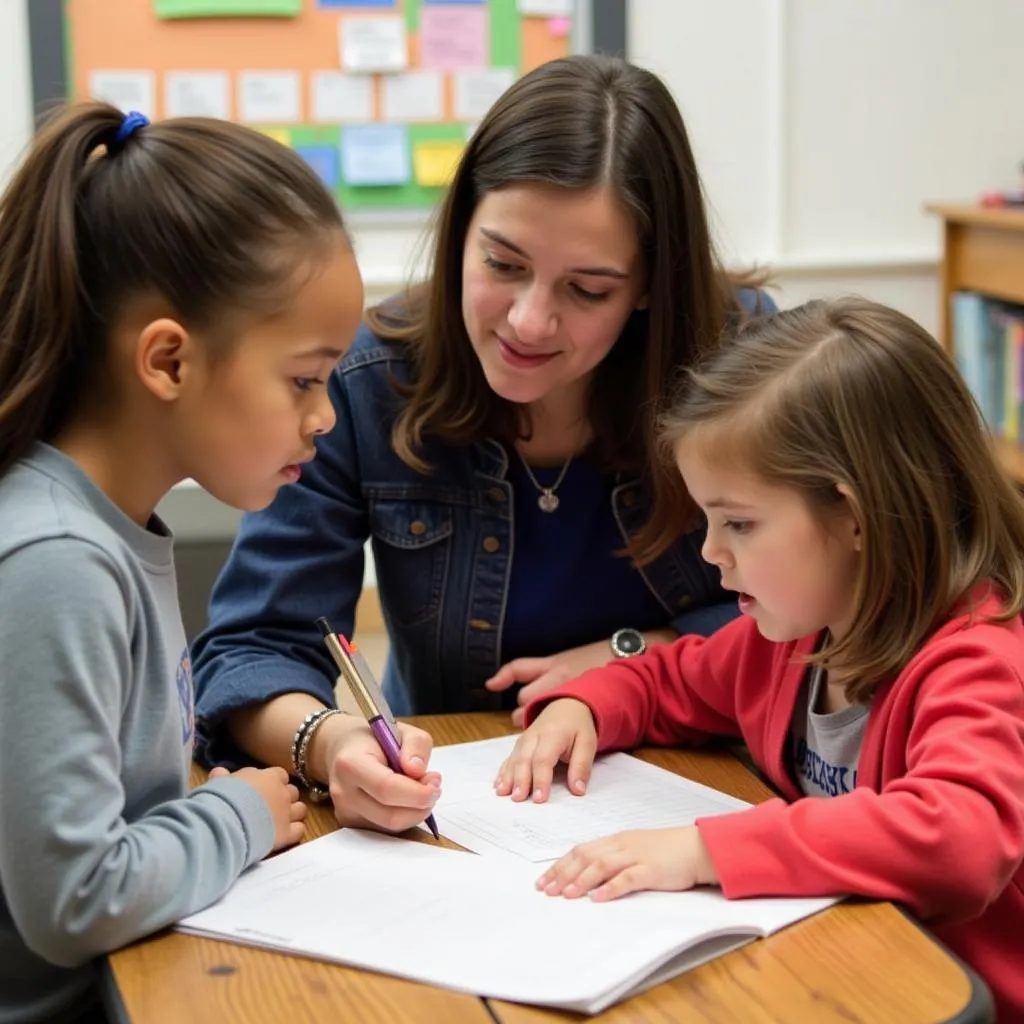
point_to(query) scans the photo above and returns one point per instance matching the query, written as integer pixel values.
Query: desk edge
(110, 994)
(980, 1007)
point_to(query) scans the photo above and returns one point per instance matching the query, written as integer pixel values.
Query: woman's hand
(543, 674)
(668, 859)
(364, 790)
(563, 731)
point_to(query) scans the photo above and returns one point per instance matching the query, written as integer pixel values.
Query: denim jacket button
(496, 494)
(482, 624)
(685, 601)
(491, 544)
(417, 528)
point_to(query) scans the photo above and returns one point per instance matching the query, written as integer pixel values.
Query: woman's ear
(852, 516)
(644, 303)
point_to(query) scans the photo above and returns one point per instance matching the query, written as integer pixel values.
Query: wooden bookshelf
(982, 251)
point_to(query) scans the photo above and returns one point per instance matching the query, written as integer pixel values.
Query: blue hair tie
(132, 122)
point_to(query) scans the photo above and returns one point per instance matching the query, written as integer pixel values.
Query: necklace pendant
(548, 501)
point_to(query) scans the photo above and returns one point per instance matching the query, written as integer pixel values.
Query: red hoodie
(937, 819)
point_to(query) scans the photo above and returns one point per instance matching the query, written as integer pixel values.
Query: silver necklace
(548, 501)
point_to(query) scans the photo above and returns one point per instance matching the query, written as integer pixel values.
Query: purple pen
(370, 700)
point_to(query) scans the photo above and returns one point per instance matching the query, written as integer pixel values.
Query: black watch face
(629, 641)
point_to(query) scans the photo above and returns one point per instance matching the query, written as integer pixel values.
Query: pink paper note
(559, 27)
(453, 37)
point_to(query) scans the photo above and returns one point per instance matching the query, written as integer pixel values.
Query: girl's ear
(165, 354)
(852, 517)
(644, 303)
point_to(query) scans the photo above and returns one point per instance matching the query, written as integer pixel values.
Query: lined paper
(623, 793)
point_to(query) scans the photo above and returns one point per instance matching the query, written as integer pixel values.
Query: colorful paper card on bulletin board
(227, 8)
(379, 96)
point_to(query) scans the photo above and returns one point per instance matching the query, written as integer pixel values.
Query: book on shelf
(988, 339)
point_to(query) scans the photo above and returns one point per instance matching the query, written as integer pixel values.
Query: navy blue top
(452, 548)
(567, 585)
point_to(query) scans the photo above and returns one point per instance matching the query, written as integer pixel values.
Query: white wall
(15, 85)
(821, 127)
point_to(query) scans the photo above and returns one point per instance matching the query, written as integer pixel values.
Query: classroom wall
(15, 85)
(821, 127)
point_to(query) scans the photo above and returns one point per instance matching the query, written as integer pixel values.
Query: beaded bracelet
(300, 747)
(300, 733)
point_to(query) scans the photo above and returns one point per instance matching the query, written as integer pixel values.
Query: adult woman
(495, 437)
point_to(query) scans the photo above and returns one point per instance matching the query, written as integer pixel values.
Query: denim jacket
(442, 546)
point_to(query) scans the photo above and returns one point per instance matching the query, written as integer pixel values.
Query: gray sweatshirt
(101, 842)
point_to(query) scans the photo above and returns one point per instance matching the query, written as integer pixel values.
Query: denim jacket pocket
(411, 548)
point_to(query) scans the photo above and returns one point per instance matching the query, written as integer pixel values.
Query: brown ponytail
(196, 211)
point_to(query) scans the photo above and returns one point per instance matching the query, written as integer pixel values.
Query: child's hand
(563, 731)
(280, 796)
(667, 859)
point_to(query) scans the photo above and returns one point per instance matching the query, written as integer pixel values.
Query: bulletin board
(379, 96)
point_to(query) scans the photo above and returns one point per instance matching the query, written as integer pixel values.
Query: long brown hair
(853, 393)
(204, 214)
(577, 123)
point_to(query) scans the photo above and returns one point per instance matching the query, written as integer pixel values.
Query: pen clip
(369, 682)
(358, 677)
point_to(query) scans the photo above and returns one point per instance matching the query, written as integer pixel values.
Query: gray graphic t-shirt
(826, 747)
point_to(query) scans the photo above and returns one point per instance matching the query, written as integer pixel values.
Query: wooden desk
(855, 962)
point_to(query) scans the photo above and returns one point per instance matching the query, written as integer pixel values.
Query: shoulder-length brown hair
(856, 394)
(577, 123)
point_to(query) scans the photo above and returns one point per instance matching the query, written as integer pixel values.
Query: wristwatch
(628, 643)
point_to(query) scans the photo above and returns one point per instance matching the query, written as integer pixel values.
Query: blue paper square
(324, 160)
(375, 154)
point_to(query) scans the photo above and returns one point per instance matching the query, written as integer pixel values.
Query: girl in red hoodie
(854, 503)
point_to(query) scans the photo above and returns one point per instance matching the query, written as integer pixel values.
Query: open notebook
(477, 924)
(624, 793)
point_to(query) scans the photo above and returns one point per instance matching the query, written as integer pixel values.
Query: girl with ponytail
(172, 299)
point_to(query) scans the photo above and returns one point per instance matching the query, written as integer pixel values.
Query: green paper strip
(227, 8)
(412, 15)
(437, 132)
(506, 34)
(314, 134)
